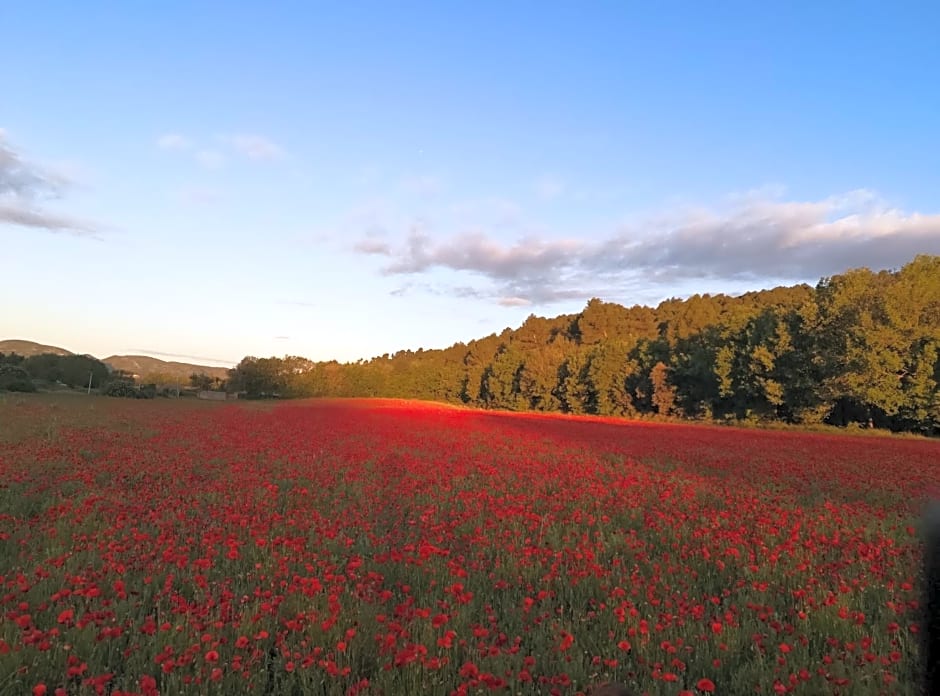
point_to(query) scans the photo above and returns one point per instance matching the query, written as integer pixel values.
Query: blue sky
(221, 179)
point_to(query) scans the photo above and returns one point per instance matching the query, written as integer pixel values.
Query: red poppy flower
(705, 685)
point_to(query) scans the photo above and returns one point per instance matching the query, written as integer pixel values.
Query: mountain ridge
(145, 366)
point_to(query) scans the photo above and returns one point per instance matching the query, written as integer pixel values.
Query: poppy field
(380, 547)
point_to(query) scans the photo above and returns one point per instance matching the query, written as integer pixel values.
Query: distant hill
(28, 348)
(145, 366)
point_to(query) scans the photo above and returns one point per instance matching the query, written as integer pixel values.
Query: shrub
(120, 388)
(15, 379)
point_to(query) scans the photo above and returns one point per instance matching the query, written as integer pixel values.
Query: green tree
(258, 377)
(860, 348)
(200, 381)
(700, 368)
(15, 378)
(605, 377)
(573, 392)
(72, 370)
(501, 381)
(664, 393)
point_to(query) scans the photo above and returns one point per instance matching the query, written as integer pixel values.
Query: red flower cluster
(383, 548)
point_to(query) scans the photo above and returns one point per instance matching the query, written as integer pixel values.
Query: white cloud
(514, 301)
(256, 147)
(371, 245)
(474, 251)
(252, 147)
(29, 217)
(799, 240)
(26, 188)
(173, 141)
(751, 237)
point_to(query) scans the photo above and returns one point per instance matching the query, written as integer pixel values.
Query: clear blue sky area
(348, 179)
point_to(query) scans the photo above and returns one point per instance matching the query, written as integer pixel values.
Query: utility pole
(90, 375)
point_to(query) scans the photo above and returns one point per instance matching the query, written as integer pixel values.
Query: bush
(15, 379)
(120, 388)
(129, 390)
(20, 385)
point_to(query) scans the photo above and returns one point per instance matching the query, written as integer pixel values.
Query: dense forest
(861, 348)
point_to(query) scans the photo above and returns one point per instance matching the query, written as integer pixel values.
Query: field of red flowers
(392, 548)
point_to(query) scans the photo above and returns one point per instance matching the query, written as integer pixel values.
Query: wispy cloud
(214, 153)
(23, 215)
(495, 294)
(200, 195)
(174, 141)
(373, 245)
(199, 358)
(751, 237)
(475, 252)
(256, 147)
(26, 188)
(514, 301)
(764, 237)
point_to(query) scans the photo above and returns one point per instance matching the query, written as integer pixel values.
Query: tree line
(18, 373)
(23, 373)
(862, 347)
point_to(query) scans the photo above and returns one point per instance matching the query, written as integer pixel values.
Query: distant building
(216, 395)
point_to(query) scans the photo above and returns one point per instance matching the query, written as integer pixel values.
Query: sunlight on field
(387, 547)
(42, 416)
